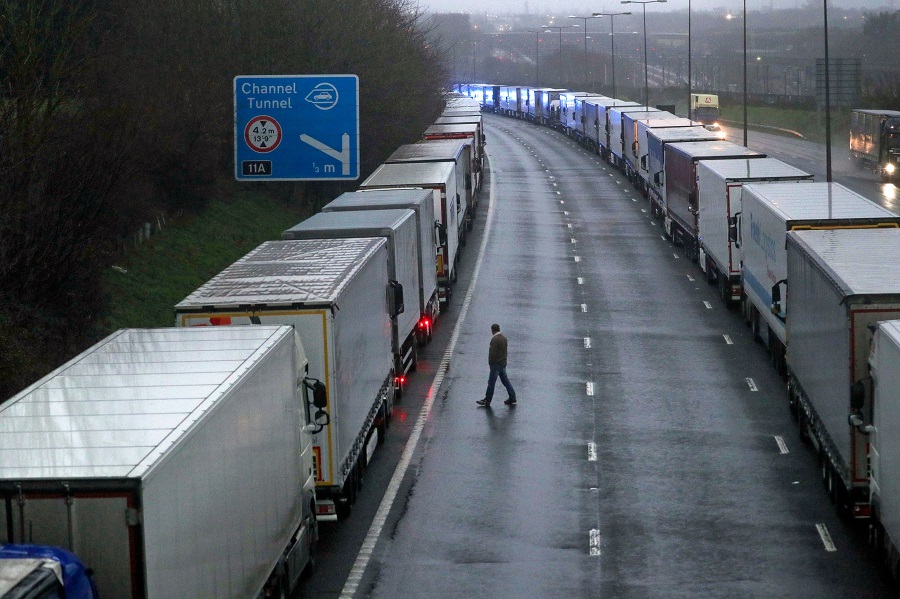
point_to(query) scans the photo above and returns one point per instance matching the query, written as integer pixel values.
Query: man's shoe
(484, 403)
(510, 402)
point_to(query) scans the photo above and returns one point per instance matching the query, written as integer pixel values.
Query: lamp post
(612, 38)
(827, 100)
(585, 19)
(689, 59)
(560, 28)
(644, 4)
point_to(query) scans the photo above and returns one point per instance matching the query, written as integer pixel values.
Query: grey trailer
(421, 202)
(399, 227)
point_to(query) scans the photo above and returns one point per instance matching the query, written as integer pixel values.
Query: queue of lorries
(197, 460)
(814, 267)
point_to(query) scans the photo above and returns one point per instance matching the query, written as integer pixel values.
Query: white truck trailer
(335, 292)
(595, 124)
(638, 157)
(173, 462)
(440, 177)
(567, 111)
(681, 197)
(884, 444)
(841, 283)
(421, 202)
(719, 186)
(399, 227)
(582, 129)
(769, 211)
(460, 152)
(615, 130)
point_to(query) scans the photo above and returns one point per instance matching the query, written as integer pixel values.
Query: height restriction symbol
(262, 134)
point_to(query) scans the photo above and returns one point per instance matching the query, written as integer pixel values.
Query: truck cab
(891, 149)
(705, 109)
(41, 572)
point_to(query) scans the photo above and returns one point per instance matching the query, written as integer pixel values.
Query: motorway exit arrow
(343, 155)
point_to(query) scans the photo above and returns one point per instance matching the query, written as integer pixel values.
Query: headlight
(889, 168)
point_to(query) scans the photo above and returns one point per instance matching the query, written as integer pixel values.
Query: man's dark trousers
(498, 370)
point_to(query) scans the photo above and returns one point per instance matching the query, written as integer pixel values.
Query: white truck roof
(667, 133)
(711, 149)
(410, 174)
(429, 150)
(389, 198)
(746, 169)
(858, 261)
(357, 223)
(305, 271)
(116, 409)
(812, 201)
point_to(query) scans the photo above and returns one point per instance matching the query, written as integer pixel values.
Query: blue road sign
(296, 127)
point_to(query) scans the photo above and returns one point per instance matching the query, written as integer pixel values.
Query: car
(322, 97)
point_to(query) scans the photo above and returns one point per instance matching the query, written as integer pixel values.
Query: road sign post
(296, 127)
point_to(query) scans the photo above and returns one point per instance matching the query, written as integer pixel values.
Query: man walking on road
(497, 363)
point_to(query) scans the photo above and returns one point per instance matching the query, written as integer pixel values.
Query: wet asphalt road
(652, 453)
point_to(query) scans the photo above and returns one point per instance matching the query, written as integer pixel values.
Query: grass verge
(808, 123)
(185, 254)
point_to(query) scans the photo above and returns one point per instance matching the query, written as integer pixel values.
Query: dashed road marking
(675, 255)
(782, 446)
(594, 542)
(580, 280)
(584, 307)
(691, 278)
(728, 339)
(708, 305)
(751, 384)
(826, 537)
(573, 240)
(592, 452)
(577, 258)
(587, 343)
(644, 210)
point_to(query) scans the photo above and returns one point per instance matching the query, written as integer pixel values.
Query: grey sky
(588, 6)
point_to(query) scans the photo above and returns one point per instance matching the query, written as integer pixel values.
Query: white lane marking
(751, 384)
(644, 210)
(676, 255)
(690, 278)
(587, 343)
(569, 225)
(782, 446)
(594, 540)
(592, 452)
(559, 193)
(566, 212)
(663, 237)
(708, 305)
(634, 199)
(589, 388)
(653, 223)
(573, 239)
(584, 307)
(580, 281)
(826, 537)
(390, 494)
(728, 339)
(555, 184)
(577, 258)
(562, 202)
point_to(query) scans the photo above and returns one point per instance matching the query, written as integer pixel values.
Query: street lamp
(827, 100)
(585, 19)
(644, 4)
(612, 38)
(560, 28)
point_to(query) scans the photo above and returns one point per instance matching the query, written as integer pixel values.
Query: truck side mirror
(395, 298)
(857, 396)
(320, 397)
